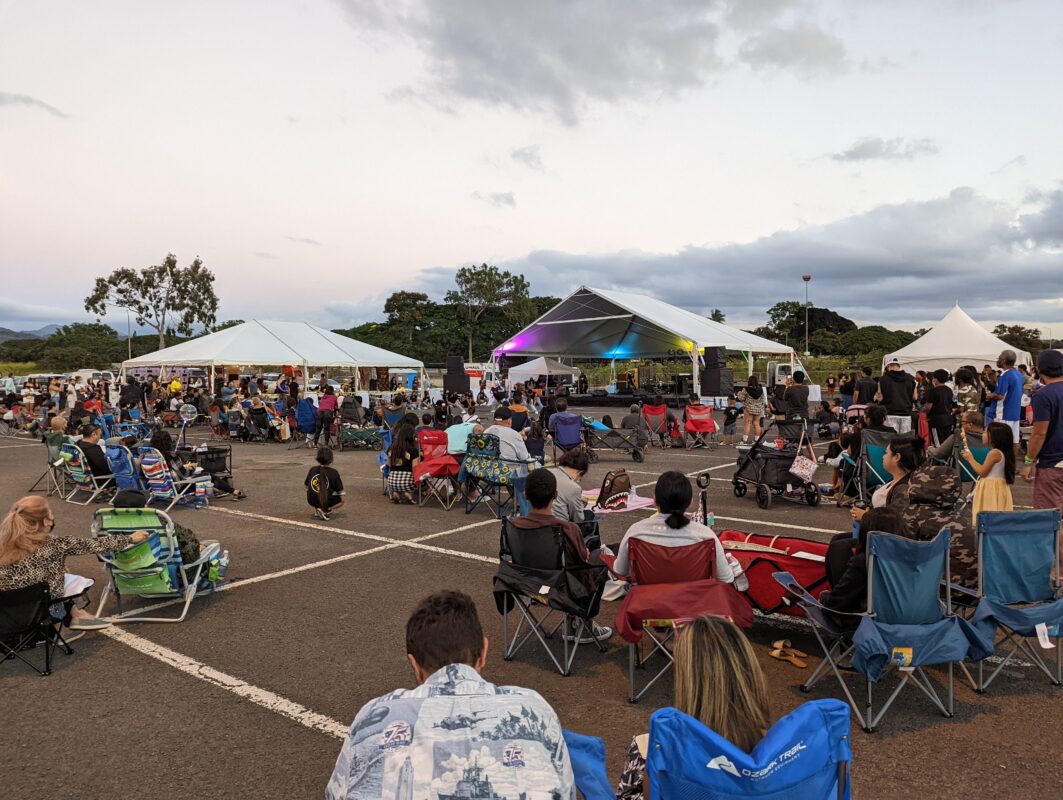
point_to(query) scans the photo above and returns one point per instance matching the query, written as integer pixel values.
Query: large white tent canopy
(954, 342)
(263, 343)
(540, 368)
(600, 323)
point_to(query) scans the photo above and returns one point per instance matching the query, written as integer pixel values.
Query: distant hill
(6, 334)
(46, 331)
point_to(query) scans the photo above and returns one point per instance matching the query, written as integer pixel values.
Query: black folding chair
(26, 622)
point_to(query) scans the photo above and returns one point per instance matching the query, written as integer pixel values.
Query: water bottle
(741, 582)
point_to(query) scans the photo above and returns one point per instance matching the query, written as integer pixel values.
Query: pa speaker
(455, 364)
(714, 357)
(717, 382)
(455, 382)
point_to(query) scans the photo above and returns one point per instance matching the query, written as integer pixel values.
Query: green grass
(17, 367)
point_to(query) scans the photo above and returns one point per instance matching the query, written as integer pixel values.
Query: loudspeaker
(714, 357)
(455, 364)
(455, 382)
(717, 382)
(682, 385)
(622, 387)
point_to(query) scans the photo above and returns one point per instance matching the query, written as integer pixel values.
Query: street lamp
(806, 279)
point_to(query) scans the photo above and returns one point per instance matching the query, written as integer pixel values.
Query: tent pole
(695, 383)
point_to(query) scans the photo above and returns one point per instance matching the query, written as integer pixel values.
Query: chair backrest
(385, 439)
(157, 473)
(587, 754)
(533, 548)
(484, 460)
(22, 609)
(873, 446)
(234, 419)
(568, 430)
(305, 413)
(967, 473)
(484, 445)
(433, 443)
(804, 755)
(134, 414)
(656, 563)
(77, 468)
(656, 417)
(160, 547)
(1017, 552)
(122, 467)
(904, 577)
(260, 417)
(393, 417)
(699, 419)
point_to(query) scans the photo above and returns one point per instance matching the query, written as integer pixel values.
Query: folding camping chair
(219, 428)
(905, 626)
(154, 568)
(382, 458)
(257, 425)
(25, 622)
(805, 755)
(567, 433)
(234, 421)
(123, 467)
(305, 417)
(1018, 587)
(868, 471)
(162, 486)
(54, 476)
(393, 417)
(80, 477)
(671, 586)
(492, 476)
(657, 420)
(587, 754)
(533, 573)
(701, 426)
(436, 474)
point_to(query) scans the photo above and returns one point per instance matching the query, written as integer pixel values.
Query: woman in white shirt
(671, 527)
(902, 456)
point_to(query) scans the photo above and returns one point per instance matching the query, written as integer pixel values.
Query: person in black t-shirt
(324, 488)
(939, 405)
(730, 422)
(865, 388)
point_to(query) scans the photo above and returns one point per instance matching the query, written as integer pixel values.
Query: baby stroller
(784, 468)
(853, 414)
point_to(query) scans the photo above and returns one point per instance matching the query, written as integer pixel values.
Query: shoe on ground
(601, 633)
(88, 624)
(319, 514)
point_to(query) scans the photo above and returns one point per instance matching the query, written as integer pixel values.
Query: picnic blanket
(634, 503)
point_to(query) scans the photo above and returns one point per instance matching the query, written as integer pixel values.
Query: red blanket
(767, 595)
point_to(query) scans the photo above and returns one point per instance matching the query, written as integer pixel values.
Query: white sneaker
(601, 633)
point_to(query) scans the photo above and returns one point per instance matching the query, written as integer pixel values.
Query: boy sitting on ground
(324, 487)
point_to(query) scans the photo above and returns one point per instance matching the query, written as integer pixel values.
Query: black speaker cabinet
(717, 382)
(622, 387)
(455, 364)
(455, 382)
(714, 357)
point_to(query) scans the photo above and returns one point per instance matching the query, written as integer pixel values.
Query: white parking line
(257, 695)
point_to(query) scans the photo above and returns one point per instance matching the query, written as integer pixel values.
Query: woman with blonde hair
(30, 554)
(719, 682)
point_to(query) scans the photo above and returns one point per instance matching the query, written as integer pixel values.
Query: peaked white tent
(601, 323)
(954, 342)
(540, 368)
(263, 343)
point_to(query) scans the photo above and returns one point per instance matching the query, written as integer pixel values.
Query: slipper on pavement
(785, 654)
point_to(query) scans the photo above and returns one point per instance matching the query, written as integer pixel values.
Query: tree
(821, 319)
(166, 297)
(1020, 336)
(483, 288)
(92, 345)
(874, 339)
(229, 323)
(824, 343)
(407, 315)
(783, 316)
(717, 316)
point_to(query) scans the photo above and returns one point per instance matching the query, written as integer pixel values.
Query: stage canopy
(262, 343)
(599, 323)
(954, 342)
(540, 368)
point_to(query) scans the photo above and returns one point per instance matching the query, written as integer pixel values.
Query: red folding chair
(657, 420)
(701, 426)
(672, 585)
(436, 474)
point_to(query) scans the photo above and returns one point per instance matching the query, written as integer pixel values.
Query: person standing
(898, 391)
(846, 388)
(1044, 455)
(865, 388)
(1005, 401)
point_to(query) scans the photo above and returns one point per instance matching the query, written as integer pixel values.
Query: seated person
(571, 468)
(512, 449)
(846, 561)
(874, 420)
(561, 412)
(827, 418)
(634, 421)
(458, 436)
(719, 682)
(446, 649)
(535, 441)
(428, 422)
(972, 423)
(670, 526)
(324, 487)
(55, 437)
(402, 456)
(519, 410)
(262, 416)
(163, 442)
(90, 446)
(30, 554)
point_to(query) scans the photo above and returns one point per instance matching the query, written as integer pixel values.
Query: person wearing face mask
(30, 554)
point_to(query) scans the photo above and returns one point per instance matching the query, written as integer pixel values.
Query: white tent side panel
(540, 368)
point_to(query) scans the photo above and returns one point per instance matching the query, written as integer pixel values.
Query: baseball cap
(1049, 360)
(892, 360)
(503, 413)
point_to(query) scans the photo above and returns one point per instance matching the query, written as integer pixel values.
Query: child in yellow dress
(996, 474)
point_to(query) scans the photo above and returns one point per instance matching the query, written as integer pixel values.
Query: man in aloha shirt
(456, 735)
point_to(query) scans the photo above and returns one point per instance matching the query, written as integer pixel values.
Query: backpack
(615, 491)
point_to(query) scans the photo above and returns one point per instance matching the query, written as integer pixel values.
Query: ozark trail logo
(724, 763)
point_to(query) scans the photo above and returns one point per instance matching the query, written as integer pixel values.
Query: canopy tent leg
(695, 381)
(749, 362)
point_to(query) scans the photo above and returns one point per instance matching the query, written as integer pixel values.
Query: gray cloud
(303, 240)
(529, 156)
(1018, 161)
(803, 48)
(497, 199)
(899, 263)
(10, 99)
(871, 148)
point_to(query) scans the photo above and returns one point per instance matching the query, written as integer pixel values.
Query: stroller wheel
(637, 456)
(739, 489)
(592, 456)
(763, 496)
(376, 444)
(812, 495)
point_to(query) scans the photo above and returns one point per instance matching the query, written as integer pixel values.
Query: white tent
(600, 323)
(954, 342)
(262, 343)
(540, 368)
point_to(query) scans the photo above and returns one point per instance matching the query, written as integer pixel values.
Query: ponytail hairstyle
(673, 494)
(23, 529)
(1000, 438)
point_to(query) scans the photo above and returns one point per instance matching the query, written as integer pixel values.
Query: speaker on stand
(455, 381)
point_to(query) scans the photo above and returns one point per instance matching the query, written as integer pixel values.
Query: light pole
(806, 279)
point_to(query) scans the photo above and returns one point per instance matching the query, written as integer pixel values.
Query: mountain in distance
(45, 332)
(6, 334)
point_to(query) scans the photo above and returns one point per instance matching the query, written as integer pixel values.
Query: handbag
(803, 468)
(615, 491)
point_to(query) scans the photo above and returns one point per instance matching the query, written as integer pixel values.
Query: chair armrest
(789, 582)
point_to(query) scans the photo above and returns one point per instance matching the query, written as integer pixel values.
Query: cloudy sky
(319, 154)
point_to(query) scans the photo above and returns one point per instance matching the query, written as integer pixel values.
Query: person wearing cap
(1044, 454)
(898, 392)
(1005, 401)
(514, 450)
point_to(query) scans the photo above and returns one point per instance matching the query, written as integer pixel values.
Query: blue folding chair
(567, 433)
(382, 457)
(305, 419)
(587, 754)
(393, 418)
(868, 471)
(804, 755)
(123, 468)
(1018, 586)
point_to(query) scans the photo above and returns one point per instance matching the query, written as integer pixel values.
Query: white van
(92, 375)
